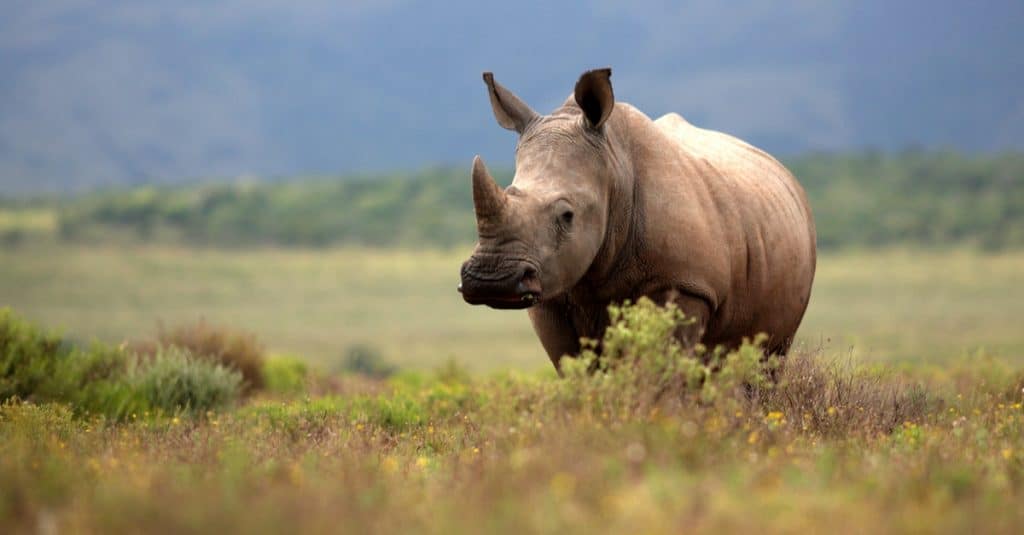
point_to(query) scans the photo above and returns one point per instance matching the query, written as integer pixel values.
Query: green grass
(892, 306)
(918, 307)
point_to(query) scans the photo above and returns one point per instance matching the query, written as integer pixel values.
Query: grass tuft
(837, 399)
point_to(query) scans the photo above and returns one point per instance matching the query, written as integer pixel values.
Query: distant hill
(106, 92)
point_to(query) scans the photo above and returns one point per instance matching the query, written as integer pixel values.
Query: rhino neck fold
(622, 226)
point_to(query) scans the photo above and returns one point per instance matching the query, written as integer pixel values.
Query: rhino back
(731, 221)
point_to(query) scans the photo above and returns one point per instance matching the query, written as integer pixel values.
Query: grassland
(922, 430)
(653, 444)
(895, 306)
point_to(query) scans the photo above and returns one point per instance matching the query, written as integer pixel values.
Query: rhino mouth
(502, 302)
(517, 291)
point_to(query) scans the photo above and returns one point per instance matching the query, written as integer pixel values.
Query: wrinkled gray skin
(608, 205)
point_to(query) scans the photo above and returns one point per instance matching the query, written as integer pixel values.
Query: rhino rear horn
(595, 97)
(511, 112)
(488, 198)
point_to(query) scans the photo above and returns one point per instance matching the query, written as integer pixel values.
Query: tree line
(929, 198)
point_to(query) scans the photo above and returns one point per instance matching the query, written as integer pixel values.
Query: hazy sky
(102, 92)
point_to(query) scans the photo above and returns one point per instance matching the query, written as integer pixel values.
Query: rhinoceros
(608, 205)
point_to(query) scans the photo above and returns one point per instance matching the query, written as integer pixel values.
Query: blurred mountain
(101, 92)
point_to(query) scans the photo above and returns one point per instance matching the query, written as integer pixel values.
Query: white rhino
(608, 205)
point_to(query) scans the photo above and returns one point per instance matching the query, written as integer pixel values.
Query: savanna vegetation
(167, 366)
(653, 441)
(867, 199)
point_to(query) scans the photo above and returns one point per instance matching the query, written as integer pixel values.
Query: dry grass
(834, 398)
(513, 453)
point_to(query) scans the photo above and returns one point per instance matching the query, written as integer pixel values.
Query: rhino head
(538, 237)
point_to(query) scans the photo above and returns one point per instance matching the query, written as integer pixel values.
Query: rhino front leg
(553, 325)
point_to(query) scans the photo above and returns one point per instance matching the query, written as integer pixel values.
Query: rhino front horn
(488, 198)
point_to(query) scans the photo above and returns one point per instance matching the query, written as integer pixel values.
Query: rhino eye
(567, 217)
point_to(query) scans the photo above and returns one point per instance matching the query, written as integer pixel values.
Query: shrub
(364, 360)
(233, 348)
(399, 411)
(285, 375)
(41, 367)
(174, 380)
(28, 356)
(643, 369)
(641, 364)
(835, 398)
(452, 373)
(93, 381)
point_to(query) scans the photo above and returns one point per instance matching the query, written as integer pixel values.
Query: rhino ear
(511, 112)
(594, 96)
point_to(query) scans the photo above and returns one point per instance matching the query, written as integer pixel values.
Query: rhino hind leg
(778, 346)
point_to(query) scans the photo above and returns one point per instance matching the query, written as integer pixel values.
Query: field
(892, 306)
(901, 411)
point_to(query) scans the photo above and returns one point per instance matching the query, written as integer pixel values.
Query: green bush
(41, 367)
(399, 411)
(641, 364)
(174, 380)
(236, 349)
(642, 367)
(92, 381)
(285, 375)
(28, 356)
(365, 360)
